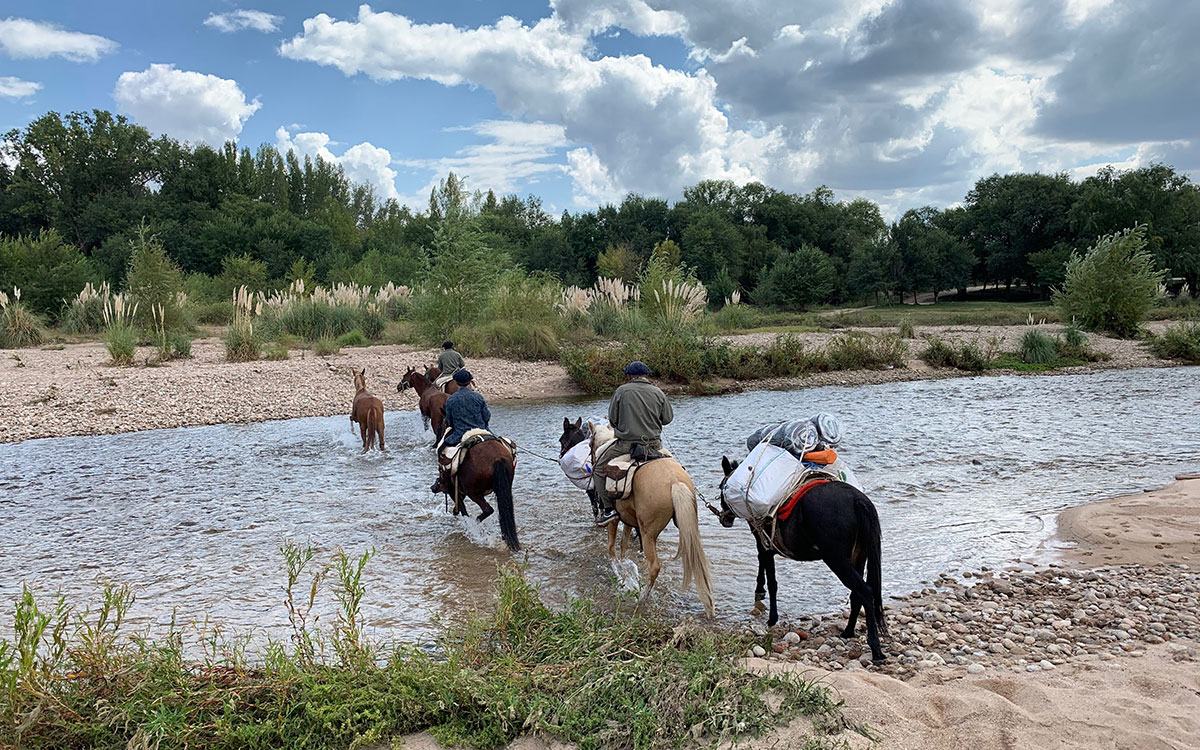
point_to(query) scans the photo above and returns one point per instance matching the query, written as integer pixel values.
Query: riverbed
(967, 472)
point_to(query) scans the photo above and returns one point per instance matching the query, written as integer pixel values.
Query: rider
(465, 410)
(637, 413)
(450, 361)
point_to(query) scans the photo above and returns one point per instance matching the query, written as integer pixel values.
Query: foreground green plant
(581, 675)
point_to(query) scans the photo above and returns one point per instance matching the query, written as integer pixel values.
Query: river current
(965, 472)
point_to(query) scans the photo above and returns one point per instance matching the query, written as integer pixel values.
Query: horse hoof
(848, 633)
(772, 620)
(879, 661)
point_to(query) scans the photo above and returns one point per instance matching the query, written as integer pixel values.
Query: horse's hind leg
(766, 561)
(650, 548)
(625, 539)
(853, 580)
(482, 502)
(855, 603)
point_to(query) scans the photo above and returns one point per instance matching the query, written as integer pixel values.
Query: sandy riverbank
(72, 390)
(1076, 656)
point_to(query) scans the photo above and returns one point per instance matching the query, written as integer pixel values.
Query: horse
(367, 411)
(662, 492)
(574, 434)
(836, 523)
(488, 467)
(433, 372)
(430, 400)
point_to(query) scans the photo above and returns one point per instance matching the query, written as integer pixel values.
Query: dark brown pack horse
(367, 411)
(434, 372)
(488, 467)
(837, 524)
(430, 400)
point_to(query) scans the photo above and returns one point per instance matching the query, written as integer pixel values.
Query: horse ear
(363, 372)
(726, 466)
(579, 423)
(566, 424)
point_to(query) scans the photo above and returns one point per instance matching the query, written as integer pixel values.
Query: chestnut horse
(434, 372)
(662, 492)
(367, 410)
(488, 467)
(431, 400)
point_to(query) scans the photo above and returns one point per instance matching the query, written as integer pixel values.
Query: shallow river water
(965, 472)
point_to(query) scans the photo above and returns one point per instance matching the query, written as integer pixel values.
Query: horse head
(726, 516)
(406, 382)
(360, 380)
(573, 434)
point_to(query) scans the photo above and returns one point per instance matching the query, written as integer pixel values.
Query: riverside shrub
(1181, 342)
(19, 328)
(1037, 348)
(1113, 286)
(965, 355)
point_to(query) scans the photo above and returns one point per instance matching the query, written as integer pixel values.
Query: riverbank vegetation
(73, 678)
(1036, 351)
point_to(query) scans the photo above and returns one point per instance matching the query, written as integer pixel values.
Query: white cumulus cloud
(906, 101)
(653, 129)
(23, 38)
(184, 104)
(236, 20)
(15, 88)
(364, 163)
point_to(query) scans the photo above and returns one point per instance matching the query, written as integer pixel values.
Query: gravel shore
(72, 389)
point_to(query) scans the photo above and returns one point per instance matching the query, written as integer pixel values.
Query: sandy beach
(72, 389)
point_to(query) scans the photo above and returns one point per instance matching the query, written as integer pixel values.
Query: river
(965, 472)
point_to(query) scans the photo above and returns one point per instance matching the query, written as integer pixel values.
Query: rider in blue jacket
(465, 410)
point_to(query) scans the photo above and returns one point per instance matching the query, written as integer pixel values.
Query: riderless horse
(367, 411)
(833, 522)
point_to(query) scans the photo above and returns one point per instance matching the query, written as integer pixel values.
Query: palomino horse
(434, 372)
(837, 524)
(431, 401)
(367, 410)
(488, 467)
(662, 492)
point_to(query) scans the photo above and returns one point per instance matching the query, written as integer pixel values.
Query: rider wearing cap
(637, 413)
(465, 410)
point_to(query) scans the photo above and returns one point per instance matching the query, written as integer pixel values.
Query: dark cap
(637, 368)
(447, 344)
(462, 377)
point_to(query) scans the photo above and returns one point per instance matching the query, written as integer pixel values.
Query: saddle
(454, 455)
(617, 475)
(442, 380)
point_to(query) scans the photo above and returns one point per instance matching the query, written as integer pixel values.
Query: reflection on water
(964, 472)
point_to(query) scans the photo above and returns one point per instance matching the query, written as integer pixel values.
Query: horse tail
(376, 417)
(695, 562)
(869, 531)
(502, 479)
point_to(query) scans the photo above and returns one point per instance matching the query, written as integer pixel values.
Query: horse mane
(601, 433)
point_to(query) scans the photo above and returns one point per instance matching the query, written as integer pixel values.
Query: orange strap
(824, 457)
(786, 509)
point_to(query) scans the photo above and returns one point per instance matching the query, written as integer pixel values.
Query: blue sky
(903, 101)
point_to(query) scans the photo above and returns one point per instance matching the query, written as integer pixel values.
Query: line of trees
(75, 190)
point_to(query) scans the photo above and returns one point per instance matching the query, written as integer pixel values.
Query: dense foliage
(79, 192)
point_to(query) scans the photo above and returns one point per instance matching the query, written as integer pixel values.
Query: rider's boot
(609, 513)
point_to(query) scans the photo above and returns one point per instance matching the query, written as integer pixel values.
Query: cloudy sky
(906, 102)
